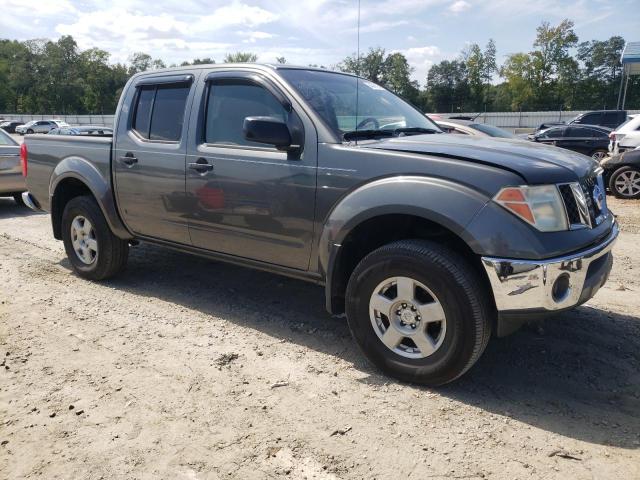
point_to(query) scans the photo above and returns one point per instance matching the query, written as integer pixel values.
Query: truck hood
(534, 162)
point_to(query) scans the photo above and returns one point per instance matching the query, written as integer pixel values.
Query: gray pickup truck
(428, 242)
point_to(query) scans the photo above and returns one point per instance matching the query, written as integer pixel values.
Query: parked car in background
(589, 140)
(83, 130)
(9, 126)
(622, 174)
(426, 241)
(604, 118)
(626, 136)
(466, 127)
(40, 126)
(12, 183)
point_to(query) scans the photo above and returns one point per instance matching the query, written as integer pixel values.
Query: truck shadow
(577, 375)
(9, 208)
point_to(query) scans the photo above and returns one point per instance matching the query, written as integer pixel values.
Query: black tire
(460, 290)
(617, 176)
(112, 252)
(30, 131)
(18, 199)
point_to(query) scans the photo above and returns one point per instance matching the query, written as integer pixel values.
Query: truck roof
(220, 66)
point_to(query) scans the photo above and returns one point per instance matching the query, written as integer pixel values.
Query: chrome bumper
(30, 202)
(548, 285)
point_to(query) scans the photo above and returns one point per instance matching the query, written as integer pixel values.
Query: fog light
(561, 287)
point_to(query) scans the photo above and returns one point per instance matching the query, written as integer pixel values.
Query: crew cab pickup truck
(427, 242)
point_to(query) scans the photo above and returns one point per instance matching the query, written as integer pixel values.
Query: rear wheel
(419, 311)
(625, 183)
(93, 250)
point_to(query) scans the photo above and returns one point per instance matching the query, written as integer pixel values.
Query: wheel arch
(393, 209)
(76, 176)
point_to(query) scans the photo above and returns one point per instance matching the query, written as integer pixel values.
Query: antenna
(358, 73)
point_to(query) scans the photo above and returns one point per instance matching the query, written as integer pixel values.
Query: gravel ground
(186, 368)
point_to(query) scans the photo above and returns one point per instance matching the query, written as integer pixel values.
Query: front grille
(570, 204)
(582, 210)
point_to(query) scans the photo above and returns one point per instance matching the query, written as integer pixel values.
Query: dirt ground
(184, 368)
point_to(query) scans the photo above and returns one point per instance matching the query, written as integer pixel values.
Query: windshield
(345, 108)
(492, 131)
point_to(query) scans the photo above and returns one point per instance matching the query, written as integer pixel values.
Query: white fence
(524, 120)
(102, 120)
(509, 120)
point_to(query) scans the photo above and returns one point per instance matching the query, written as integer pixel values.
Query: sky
(306, 32)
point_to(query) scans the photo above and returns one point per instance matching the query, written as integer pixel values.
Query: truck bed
(47, 152)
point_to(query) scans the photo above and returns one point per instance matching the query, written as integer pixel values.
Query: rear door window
(578, 132)
(612, 118)
(168, 112)
(142, 118)
(160, 111)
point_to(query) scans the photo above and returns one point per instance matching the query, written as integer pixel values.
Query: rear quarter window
(591, 118)
(553, 133)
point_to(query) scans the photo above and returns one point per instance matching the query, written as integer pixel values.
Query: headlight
(541, 206)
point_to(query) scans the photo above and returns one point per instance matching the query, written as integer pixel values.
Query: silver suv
(40, 126)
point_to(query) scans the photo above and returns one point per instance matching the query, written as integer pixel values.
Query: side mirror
(269, 130)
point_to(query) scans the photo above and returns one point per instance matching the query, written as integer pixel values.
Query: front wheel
(30, 131)
(93, 250)
(419, 311)
(625, 183)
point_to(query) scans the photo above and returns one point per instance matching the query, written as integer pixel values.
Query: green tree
(551, 63)
(199, 61)
(141, 62)
(447, 86)
(370, 66)
(391, 71)
(518, 71)
(396, 76)
(600, 72)
(240, 57)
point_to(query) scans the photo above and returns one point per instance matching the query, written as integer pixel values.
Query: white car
(40, 126)
(626, 136)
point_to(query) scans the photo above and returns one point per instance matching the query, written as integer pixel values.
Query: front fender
(441, 201)
(84, 171)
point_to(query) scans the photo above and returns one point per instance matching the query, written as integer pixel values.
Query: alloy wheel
(407, 317)
(628, 183)
(83, 239)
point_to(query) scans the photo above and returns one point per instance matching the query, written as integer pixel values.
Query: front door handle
(128, 159)
(201, 166)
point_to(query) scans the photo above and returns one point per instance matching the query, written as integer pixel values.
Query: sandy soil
(189, 369)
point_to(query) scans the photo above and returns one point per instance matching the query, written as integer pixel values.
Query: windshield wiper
(396, 132)
(414, 131)
(353, 134)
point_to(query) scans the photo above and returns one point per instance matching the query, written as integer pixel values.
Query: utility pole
(624, 95)
(620, 89)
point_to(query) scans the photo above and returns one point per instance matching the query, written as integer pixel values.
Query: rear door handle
(201, 166)
(128, 159)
